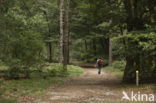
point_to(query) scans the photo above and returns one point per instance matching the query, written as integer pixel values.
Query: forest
(47, 38)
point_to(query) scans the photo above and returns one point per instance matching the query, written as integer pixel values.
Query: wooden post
(137, 78)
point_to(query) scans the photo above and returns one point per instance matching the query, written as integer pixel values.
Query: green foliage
(119, 65)
(88, 57)
(29, 86)
(26, 28)
(4, 100)
(38, 81)
(21, 43)
(23, 52)
(91, 21)
(117, 72)
(74, 71)
(55, 69)
(105, 61)
(141, 48)
(2, 90)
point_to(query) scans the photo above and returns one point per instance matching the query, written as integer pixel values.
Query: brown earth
(89, 88)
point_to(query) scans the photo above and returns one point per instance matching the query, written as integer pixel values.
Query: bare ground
(88, 88)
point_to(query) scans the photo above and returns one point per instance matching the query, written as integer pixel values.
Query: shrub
(55, 69)
(119, 65)
(88, 57)
(105, 62)
(17, 70)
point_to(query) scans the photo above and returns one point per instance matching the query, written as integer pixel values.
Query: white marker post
(137, 78)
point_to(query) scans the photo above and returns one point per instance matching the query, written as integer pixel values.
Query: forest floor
(91, 88)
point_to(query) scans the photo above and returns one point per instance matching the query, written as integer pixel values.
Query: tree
(1, 2)
(61, 32)
(110, 36)
(66, 37)
(21, 42)
(27, 28)
(49, 36)
(137, 19)
(110, 48)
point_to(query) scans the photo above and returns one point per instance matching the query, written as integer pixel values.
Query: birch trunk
(61, 32)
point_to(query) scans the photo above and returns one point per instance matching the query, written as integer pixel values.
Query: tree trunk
(61, 32)
(102, 43)
(106, 42)
(110, 46)
(135, 8)
(67, 29)
(49, 43)
(129, 65)
(50, 51)
(86, 47)
(1, 2)
(124, 41)
(110, 50)
(66, 38)
(68, 56)
(128, 7)
(129, 59)
(110, 36)
(94, 47)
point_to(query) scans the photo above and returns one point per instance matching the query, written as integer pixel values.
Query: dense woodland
(34, 32)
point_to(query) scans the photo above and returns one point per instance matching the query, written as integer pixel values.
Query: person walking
(99, 65)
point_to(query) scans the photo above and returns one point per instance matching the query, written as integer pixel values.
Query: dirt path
(88, 88)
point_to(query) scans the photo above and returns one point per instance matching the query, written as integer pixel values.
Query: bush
(105, 62)
(88, 57)
(117, 72)
(74, 70)
(22, 53)
(17, 70)
(55, 69)
(119, 65)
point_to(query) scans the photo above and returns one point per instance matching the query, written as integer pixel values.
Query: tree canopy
(30, 36)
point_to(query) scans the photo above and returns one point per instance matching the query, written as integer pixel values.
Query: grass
(34, 86)
(37, 84)
(154, 88)
(74, 71)
(3, 67)
(28, 86)
(117, 72)
(4, 100)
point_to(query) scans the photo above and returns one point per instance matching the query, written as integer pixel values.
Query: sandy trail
(88, 88)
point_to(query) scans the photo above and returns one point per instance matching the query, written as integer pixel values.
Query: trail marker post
(137, 78)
